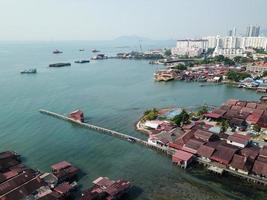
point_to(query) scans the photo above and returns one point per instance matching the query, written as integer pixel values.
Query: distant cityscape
(230, 46)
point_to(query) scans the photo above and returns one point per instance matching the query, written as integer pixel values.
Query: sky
(109, 19)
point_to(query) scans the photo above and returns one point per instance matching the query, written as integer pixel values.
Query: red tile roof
(239, 138)
(192, 145)
(205, 151)
(61, 165)
(203, 134)
(253, 118)
(251, 105)
(224, 153)
(63, 188)
(263, 152)
(250, 152)
(182, 155)
(240, 162)
(260, 168)
(231, 102)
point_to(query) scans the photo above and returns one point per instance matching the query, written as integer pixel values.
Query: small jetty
(81, 61)
(76, 117)
(29, 71)
(60, 65)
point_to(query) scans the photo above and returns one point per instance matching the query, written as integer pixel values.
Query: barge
(60, 65)
(29, 71)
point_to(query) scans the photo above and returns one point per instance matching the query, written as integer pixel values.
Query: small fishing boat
(57, 51)
(29, 71)
(82, 61)
(95, 51)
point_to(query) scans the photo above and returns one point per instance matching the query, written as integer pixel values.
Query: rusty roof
(239, 138)
(205, 151)
(61, 165)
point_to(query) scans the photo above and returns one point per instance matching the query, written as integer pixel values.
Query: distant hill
(132, 39)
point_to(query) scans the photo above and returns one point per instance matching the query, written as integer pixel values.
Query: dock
(106, 131)
(211, 166)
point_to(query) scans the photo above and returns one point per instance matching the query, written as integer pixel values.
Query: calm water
(113, 94)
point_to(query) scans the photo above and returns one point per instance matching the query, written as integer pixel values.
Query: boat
(60, 65)
(99, 57)
(29, 71)
(57, 51)
(95, 51)
(130, 139)
(81, 49)
(81, 61)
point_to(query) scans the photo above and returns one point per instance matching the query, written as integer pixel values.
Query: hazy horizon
(49, 20)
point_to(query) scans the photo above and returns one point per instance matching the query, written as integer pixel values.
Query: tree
(219, 58)
(256, 128)
(228, 61)
(167, 52)
(181, 67)
(150, 114)
(264, 73)
(224, 125)
(237, 76)
(182, 118)
(202, 110)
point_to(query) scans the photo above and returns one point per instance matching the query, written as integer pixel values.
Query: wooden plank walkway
(104, 130)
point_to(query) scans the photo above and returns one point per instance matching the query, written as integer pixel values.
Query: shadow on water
(231, 186)
(134, 193)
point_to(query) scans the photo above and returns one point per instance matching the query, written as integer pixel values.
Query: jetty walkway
(106, 131)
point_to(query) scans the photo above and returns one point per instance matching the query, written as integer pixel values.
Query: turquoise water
(113, 94)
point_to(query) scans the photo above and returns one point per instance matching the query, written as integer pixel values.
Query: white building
(230, 46)
(190, 47)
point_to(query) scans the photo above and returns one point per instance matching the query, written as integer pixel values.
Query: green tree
(256, 128)
(237, 76)
(181, 67)
(228, 61)
(167, 52)
(182, 118)
(219, 58)
(150, 114)
(237, 59)
(264, 74)
(202, 110)
(224, 125)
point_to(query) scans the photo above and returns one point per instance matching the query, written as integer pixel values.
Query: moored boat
(29, 71)
(60, 65)
(81, 61)
(95, 51)
(57, 51)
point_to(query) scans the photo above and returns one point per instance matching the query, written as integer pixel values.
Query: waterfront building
(241, 164)
(257, 67)
(64, 171)
(224, 153)
(238, 140)
(190, 47)
(77, 115)
(182, 158)
(104, 188)
(205, 152)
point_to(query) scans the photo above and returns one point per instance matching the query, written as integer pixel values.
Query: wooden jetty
(106, 131)
(209, 165)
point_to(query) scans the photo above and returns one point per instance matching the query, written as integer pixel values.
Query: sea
(114, 94)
